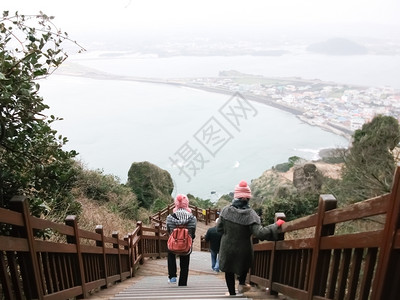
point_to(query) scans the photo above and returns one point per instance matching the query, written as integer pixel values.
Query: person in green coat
(237, 224)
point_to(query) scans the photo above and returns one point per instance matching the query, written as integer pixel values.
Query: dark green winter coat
(238, 223)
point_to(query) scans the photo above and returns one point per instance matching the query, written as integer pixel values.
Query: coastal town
(335, 107)
(338, 108)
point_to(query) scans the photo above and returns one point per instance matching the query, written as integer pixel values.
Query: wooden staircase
(151, 282)
(157, 287)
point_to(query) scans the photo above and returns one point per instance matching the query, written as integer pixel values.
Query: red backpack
(180, 241)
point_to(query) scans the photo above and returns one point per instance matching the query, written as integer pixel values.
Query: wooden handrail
(204, 215)
(330, 265)
(80, 262)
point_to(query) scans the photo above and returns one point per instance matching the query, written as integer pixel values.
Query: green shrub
(283, 167)
(200, 203)
(294, 206)
(32, 159)
(158, 204)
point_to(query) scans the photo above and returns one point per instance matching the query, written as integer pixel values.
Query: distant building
(356, 123)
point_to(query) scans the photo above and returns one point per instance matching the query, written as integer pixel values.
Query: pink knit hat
(242, 190)
(181, 201)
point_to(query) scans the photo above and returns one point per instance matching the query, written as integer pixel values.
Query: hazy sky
(157, 15)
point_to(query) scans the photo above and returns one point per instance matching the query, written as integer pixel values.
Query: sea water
(364, 70)
(113, 124)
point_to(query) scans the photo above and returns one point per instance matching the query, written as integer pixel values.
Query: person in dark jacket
(237, 224)
(182, 215)
(214, 237)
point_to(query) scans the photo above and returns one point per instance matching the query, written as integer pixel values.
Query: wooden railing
(330, 265)
(204, 245)
(326, 265)
(202, 215)
(77, 264)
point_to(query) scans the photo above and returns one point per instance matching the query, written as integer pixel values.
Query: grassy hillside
(94, 214)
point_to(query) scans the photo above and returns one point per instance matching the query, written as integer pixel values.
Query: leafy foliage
(284, 167)
(224, 200)
(369, 164)
(200, 203)
(158, 204)
(368, 172)
(96, 185)
(273, 194)
(32, 160)
(107, 190)
(293, 205)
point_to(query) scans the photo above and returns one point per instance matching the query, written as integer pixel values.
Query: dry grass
(349, 227)
(300, 234)
(94, 214)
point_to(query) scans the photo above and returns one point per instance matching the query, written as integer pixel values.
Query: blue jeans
(214, 260)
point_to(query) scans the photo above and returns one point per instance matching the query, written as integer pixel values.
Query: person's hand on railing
(279, 222)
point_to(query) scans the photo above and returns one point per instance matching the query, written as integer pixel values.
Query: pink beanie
(242, 190)
(181, 201)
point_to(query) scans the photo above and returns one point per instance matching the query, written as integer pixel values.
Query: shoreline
(333, 128)
(346, 133)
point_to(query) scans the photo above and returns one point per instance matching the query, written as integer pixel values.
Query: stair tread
(157, 287)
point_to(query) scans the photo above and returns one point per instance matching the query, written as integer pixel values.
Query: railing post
(140, 242)
(318, 261)
(385, 285)
(272, 273)
(132, 254)
(126, 248)
(71, 221)
(99, 230)
(158, 243)
(169, 209)
(116, 246)
(20, 204)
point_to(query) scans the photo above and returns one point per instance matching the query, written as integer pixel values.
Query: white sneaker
(172, 280)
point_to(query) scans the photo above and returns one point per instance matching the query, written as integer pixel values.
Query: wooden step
(157, 287)
(151, 282)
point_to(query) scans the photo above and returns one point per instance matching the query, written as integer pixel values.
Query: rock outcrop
(304, 177)
(150, 183)
(307, 178)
